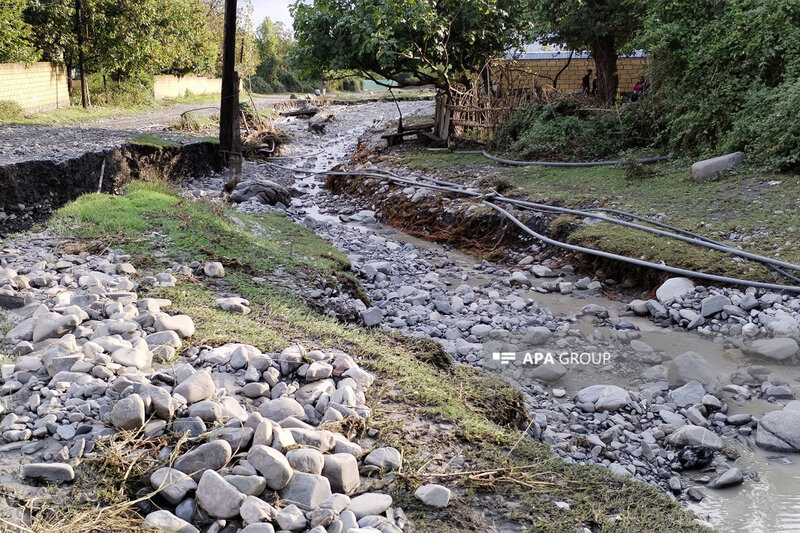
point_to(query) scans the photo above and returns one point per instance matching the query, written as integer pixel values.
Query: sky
(276, 10)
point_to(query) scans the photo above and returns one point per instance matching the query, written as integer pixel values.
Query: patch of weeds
(10, 111)
(639, 172)
(188, 122)
(147, 139)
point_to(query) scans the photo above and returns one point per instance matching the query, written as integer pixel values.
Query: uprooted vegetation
(454, 424)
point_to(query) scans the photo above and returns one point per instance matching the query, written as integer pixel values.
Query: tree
(150, 36)
(15, 34)
(603, 27)
(440, 42)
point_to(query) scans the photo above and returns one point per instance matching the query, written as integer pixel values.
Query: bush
(10, 111)
(767, 127)
(563, 131)
(260, 86)
(129, 91)
(353, 85)
(726, 74)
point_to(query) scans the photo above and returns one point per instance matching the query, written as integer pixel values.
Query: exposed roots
(469, 228)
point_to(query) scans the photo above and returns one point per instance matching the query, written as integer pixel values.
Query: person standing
(586, 82)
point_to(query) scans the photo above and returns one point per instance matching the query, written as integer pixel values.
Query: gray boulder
(728, 478)
(265, 191)
(168, 522)
(775, 349)
(212, 455)
(128, 413)
(779, 431)
(695, 436)
(199, 386)
(306, 490)
(691, 366)
(217, 497)
(271, 464)
(674, 288)
(49, 472)
(172, 484)
(433, 495)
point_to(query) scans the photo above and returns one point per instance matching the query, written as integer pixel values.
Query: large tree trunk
(604, 52)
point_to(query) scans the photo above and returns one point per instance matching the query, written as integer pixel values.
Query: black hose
(456, 189)
(639, 262)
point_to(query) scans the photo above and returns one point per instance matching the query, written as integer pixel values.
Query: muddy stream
(768, 502)
(769, 499)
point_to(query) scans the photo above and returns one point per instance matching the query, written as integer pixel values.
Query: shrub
(767, 127)
(260, 86)
(127, 91)
(562, 130)
(10, 111)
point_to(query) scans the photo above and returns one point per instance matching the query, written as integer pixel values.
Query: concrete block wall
(168, 86)
(542, 71)
(36, 87)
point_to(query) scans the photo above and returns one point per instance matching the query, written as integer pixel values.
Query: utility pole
(81, 31)
(229, 134)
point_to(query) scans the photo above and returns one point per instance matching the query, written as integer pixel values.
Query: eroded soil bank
(32, 190)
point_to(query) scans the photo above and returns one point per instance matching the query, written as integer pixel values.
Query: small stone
(172, 484)
(217, 497)
(728, 478)
(433, 495)
(212, 455)
(291, 518)
(214, 269)
(385, 458)
(254, 510)
(180, 324)
(128, 413)
(341, 469)
(370, 503)
(306, 490)
(199, 386)
(50, 472)
(168, 522)
(271, 464)
(372, 317)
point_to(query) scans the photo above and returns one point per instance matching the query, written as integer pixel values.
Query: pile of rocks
(265, 428)
(736, 316)
(678, 431)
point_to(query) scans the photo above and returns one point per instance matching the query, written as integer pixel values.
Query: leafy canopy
(15, 34)
(441, 42)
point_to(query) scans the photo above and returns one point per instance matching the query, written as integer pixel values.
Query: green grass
(67, 116)
(147, 139)
(765, 208)
(410, 395)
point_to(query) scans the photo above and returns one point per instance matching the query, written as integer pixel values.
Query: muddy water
(768, 501)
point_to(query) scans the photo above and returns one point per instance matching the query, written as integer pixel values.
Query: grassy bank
(746, 208)
(454, 425)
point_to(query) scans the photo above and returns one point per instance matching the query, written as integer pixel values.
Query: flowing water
(768, 501)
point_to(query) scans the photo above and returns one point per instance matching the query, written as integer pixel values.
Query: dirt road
(26, 143)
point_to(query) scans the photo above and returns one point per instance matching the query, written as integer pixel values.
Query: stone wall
(544, 70)
(175, 87)
(36, 87)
